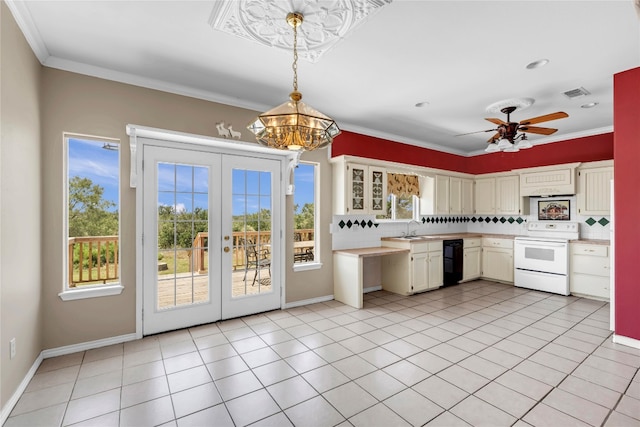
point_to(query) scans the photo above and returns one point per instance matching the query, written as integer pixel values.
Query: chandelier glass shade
(520, 142)
(294, 125)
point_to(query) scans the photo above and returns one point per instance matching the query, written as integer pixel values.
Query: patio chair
(256, 259)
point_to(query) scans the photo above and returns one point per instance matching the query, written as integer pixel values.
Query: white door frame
(142, 135)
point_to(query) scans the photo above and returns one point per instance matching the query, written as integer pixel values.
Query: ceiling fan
(508, 133)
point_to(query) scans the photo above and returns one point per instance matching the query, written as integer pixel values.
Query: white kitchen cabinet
(442, 195)
(460, 196)
(424, 264)
(485, 196)
(594, 191)
(497, 259)
(590, 272)
(472, 259)
(498, 195)
(365, 191)
(467, 197)
(508, 195)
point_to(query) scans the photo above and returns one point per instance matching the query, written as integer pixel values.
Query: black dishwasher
(453, 255)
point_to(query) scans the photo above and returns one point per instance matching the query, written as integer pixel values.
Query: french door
(211, 237)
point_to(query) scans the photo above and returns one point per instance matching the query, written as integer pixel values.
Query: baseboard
(89, 345)
(308, 301)
(372, 289)
(629, 342)
(6, 410)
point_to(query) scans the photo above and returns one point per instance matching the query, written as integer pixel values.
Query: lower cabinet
(590, 270)
(424, 265)
(497, 259)
(472, 259)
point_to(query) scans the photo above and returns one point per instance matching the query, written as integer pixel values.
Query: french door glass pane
(251, 196)
(183, 246)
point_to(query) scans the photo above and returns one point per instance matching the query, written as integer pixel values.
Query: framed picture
(554, 210)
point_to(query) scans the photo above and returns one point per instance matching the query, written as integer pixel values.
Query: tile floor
(479, 353)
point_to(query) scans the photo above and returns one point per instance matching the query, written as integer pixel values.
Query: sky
(87, 159)
(90, 160)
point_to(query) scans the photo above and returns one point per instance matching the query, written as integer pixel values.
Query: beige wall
(86, 105)
(20, 206)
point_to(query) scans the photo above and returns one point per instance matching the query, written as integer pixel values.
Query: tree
(306, 218)
(89, 213)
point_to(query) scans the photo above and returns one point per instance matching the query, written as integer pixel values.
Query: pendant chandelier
(294, 125)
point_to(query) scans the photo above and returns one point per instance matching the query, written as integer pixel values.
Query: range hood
(558, 180)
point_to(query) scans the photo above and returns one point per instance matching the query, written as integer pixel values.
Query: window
(403, 197)
(92, 219)
(401, 207)
(305, 202)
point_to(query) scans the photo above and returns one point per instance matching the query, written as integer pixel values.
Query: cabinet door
(594, 191)
(442, 195)
(455, 195)
(471, 263)
(419, 273)
(357, 188)
(508, 195)
(466, 196)
(435, 267)
(485, 196)
(377, 190)
(497, 264)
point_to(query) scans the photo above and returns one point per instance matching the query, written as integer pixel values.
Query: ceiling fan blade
(545, 118)
(496, 121)
(479, 131)
(536, 129)
(494, 138)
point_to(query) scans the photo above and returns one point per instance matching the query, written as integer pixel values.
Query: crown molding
(22, 15)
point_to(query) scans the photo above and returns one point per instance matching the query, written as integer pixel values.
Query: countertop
(592, 241)
(370, 252)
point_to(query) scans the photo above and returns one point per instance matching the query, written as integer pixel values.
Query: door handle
(226, 248)
(226, 237)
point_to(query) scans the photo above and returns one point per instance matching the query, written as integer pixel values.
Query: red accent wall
(354, 144)
(587, 149)
(626, 143)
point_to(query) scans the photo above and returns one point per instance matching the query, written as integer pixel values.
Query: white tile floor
(479, 353)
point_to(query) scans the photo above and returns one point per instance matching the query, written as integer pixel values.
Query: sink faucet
(409, 232)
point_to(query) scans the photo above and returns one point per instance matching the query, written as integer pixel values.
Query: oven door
(548, 256)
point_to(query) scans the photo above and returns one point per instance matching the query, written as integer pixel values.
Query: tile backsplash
(358, 231)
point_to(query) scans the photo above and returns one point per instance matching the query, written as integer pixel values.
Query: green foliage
(177, 229)
(259, 221)
(305, 218)
(105, 255)
(89, 213)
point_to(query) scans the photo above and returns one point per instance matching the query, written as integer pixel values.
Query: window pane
(304, 199)
(404, 207)
(93, 172)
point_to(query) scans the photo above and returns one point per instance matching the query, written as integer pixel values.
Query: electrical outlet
(12, 348)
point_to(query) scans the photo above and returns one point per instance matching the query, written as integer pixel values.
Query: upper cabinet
(594, 188)
(548, 180)
(365, 191)
(498, 195)
(460, 196)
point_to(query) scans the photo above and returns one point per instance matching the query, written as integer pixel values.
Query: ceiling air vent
(576, 93)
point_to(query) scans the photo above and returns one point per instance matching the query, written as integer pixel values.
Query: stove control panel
(557, 229)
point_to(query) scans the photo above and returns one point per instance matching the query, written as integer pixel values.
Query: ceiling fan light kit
(294, 125)
(511, 137)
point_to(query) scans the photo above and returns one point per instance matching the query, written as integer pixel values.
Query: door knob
(226, 248)
(226, 237)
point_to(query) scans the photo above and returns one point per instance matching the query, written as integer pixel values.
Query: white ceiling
(459, 56)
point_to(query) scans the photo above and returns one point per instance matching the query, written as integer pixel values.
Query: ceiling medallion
(517, 103)
(326, 23)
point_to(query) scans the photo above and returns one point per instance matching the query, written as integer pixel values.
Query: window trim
(96, 290)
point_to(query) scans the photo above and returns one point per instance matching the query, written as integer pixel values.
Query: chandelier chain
(295, 58)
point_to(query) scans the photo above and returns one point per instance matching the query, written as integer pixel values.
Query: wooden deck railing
(92, 259)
